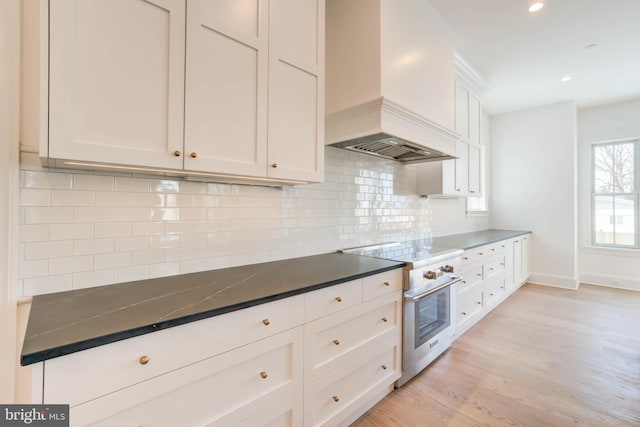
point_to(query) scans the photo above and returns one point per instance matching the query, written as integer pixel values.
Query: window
(614, 198)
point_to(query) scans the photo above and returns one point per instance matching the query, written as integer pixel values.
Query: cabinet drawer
(332, 341)
(381, 284)
(495, 248)
(470, 304)
(471, 276)
(287, 413)
(329, 401)
(220, 391)
(495, 290)
(332, 299)
(118, 365)
(493, 266)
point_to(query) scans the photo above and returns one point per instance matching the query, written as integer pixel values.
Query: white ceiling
(524, 55)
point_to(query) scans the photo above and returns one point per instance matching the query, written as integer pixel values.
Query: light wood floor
(545, 357)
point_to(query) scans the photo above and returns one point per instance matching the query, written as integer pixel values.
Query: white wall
(533, 182)
(608, 267)
(9, 133)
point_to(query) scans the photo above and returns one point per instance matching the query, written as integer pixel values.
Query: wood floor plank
(545, 357)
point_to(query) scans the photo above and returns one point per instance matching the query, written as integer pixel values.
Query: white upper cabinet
(236, 92)
(116, 76)
(226, 86)
(296, 90)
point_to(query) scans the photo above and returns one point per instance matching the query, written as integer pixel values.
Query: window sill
(604, 250)
(474, 214)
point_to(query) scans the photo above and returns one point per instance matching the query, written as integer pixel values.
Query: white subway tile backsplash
(93, 246)
(152, 256)
(93, 182)
(92, 278)
(35, 197)
(130, 274)
(93, 214)
(48, 180)
(47, 284)
(111, 198)
(115, 260)
(46, 250)
(47, 215)
(72, 198)
(31, 269)
(131, 184)
(34, 233)
(71, 231)
(133, 227)
(72, 264)
(127, 244)
(131, 214)
(110, 229)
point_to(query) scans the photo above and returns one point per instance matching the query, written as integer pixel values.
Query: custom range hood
(390, 80)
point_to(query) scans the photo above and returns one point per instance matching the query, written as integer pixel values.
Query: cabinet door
(474, 170)
(462, 111)
(517, 261)
(462, 168)
(296, 90)
(474, 119)
(526, 251)
(116, 81)
(226, 86)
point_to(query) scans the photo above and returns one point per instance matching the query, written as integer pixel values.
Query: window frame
(613, 194)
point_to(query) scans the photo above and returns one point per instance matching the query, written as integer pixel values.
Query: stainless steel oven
(429, 299)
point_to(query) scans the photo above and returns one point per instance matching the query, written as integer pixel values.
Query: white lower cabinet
(261, 366)
(490, 273)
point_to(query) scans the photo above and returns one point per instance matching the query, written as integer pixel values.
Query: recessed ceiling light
(565, 79)
(536, 6)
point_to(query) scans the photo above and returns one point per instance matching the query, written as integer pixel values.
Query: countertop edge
(63, 350)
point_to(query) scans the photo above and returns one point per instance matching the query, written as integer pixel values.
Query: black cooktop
(412, 252)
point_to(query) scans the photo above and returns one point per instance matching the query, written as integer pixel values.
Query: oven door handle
(419, 296)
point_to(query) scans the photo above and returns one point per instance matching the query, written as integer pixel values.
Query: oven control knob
(447, 269)
(430, 275)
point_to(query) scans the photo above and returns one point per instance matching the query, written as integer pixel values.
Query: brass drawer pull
(336, 399)
(144, 360)
(177, 153)
(336, 342)
(266, 322)
(464, 313)
(387, 284)
(384, 319)
(384, 367)
(479, 302)
(194, 154)
(263, 375)
(338, 299)
(274, 165)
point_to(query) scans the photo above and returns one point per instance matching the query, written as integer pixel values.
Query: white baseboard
(553, 280)
(610, 281)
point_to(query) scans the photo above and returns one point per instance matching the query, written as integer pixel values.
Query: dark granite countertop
(66, 322)
(477, 238)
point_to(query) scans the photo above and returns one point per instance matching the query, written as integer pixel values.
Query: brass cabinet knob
(447, 269)
(472, 191)
(387, 284)
(479, 274)
(274, 165)
(384, 319)
(490, 295)
(336, 342)
(144, 360)
(479, 302)
(336, 399)
(517, 241)
(177, 153)
(491, 269)
(430, 275)
(457, 189)
(464, 282)
(501, 287)
(263, 375)
(493, 249)
(464, 313)
(466, 258)
(383, 367)
(338, 299)
(266, 322)
(194, 154)
(480, 253)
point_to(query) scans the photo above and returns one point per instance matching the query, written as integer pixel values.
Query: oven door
(429, 325)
